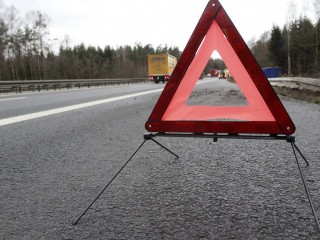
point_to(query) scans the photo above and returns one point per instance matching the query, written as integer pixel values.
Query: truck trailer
(160, 66)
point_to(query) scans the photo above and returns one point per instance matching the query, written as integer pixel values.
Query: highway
(36, 102)
(59, 149)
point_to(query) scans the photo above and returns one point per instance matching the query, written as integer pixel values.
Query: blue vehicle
(272, 72)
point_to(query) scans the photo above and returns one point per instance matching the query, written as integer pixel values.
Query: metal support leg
(305, 184)
(150, 136)
(165, 148)
(146, 137)
(74, 223)
(295, 146)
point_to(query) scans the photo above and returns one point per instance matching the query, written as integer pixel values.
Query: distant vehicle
(214, 73)
(227, 73)
(222, 75)
(272, 72)
(160, 67)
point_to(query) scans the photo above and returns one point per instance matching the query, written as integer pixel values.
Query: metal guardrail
(38, 85)
(298, 83)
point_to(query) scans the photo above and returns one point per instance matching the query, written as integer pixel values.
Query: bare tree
(13, 23)
(290, 19)
(39, 23)
(316, 5)
(260, 49)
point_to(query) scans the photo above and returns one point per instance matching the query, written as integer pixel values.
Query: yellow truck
(160, 66)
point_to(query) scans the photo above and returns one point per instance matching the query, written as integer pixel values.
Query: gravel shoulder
(301, 94)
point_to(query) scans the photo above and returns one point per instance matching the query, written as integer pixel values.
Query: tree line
(26, 51)
(293, 47)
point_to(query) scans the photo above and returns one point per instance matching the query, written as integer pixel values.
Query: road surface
(52, 166)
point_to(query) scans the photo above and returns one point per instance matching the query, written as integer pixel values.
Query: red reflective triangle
(264, 114)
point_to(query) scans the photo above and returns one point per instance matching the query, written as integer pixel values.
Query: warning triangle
(264, 114)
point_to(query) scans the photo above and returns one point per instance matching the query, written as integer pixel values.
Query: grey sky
(120, 22)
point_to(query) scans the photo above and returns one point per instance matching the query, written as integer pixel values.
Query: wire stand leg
(165, 148)
(295, 146)
(150, 136)
(305, 186)
(75, 222)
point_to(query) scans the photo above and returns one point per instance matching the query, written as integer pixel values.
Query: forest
(294, 48)
(26, 51)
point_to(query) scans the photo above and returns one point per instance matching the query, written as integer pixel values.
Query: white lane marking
(26, 117)
(9, 99)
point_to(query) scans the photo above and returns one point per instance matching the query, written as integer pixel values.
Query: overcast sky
(171, 22)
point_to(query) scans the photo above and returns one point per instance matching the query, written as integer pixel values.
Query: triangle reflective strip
(264, 114)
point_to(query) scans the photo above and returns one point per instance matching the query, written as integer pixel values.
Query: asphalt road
(20, 104)
(52, 167)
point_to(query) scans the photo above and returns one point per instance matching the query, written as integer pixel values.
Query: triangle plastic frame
(265, 113)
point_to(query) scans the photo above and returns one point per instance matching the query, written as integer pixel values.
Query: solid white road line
(26, 117)
(9, 99)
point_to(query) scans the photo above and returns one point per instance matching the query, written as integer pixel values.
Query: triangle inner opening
(216, 86)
